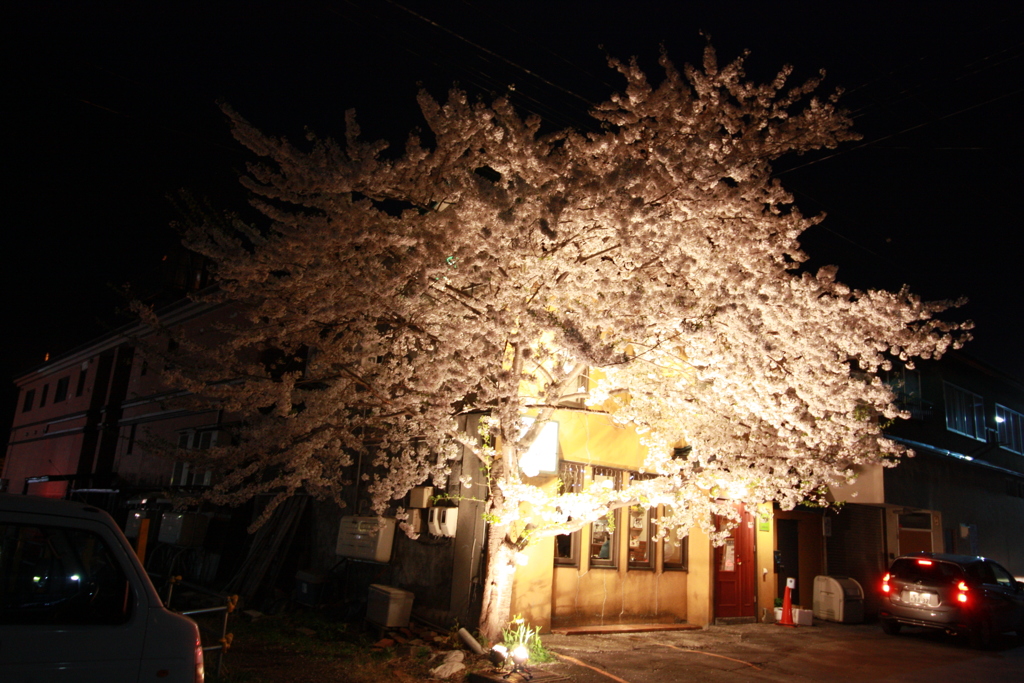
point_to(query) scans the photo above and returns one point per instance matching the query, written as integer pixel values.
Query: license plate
(918, 598)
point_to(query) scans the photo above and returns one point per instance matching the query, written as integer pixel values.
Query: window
(906, 385)
(131, 440)
(567, 546)
(641, 549)
(603, 532)
(1010, 429)
(54, 575)
(912, 571)
(61, 392)
(42, 395)
(186, 473)
(1001, 576)
(30, 397)
(965, 412)
(675, 549)
(577, 396)
(80, 389)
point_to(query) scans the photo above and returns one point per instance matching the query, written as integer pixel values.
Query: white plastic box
(420, 496)
(443, 521)
(388, 607)
(803, 617)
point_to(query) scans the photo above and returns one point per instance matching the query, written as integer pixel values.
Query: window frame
(60, 392)
(649, 563)
(611, 524)
(28, 402)
(570, 480)
(185, 473)
(571, 476)
(1010, 429)
(684, 549)
(959, 412)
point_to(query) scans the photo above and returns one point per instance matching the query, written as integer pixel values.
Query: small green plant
(519, 633)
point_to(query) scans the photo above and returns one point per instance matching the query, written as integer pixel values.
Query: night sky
(108, 108)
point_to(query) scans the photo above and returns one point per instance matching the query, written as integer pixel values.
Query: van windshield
(54, 575)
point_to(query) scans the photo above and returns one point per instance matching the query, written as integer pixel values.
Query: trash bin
(309, 588)
(388, 607)
(838, 598)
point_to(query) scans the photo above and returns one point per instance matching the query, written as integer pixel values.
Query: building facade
(83, 421)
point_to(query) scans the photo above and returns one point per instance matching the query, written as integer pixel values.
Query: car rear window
(926, 571)
(55, 575)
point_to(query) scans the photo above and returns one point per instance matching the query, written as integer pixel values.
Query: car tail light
(961, 596)
(926, 563)
(885, 584)
(200, 675)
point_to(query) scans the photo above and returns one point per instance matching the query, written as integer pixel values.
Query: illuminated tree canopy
(490, 263)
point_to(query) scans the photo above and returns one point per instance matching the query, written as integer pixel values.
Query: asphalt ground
(766, 652)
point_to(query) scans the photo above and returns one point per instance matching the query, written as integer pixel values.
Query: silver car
(960, 594)
(76, 605)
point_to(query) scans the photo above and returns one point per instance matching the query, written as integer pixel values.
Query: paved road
(764, 652)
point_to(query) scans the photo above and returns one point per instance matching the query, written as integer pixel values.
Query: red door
(735, 570)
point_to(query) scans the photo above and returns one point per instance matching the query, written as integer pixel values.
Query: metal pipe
(205, 610)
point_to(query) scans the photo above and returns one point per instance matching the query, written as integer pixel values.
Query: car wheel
(891, 627)
(981, 635)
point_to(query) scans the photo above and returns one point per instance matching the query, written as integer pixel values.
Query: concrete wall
(964, 496)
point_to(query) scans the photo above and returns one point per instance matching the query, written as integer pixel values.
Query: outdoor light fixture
(498, 655)
(520, 655)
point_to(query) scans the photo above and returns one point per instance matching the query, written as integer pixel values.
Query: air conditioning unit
(365, 538)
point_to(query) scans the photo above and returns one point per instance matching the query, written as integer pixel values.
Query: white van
(76, 604)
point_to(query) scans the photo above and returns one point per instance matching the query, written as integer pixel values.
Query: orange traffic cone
(787, 605)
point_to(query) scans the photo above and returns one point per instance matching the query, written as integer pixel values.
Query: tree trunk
(498, 576)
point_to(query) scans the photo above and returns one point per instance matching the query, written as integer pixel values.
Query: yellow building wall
(765, 577)
(700, 607)
(531, 590)
(557, 596)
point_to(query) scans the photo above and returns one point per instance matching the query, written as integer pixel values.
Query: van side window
(55, 575)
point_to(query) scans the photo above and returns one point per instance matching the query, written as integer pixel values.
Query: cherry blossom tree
(490, 263)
